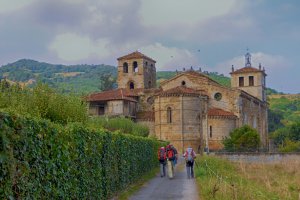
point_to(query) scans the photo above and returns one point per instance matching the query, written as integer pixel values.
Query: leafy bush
(290, 146)
(42, 102)
(244, 138)
(287, 138)
(121, 124)
(39, 159)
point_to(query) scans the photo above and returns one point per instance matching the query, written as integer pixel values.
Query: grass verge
(221, 179)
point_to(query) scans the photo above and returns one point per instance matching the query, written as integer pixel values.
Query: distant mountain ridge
(81, 79)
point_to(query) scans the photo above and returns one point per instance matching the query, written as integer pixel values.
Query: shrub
(124, 125)
(42, 102)
(244, 138)
(42, 159)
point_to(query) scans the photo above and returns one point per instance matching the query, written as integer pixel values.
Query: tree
(107, 82)
(242, 139)
(274, 119)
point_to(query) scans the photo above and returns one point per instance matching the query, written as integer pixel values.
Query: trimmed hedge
(39, 159)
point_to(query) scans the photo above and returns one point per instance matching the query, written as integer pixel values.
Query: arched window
(135, 66)
(149, 84)
(131, 85)
(125, 67)
(169, 115)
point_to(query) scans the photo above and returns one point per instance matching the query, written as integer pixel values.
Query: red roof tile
(179, 90)
(118, 94)
(219, 112)
(134, 55)
(246, 70)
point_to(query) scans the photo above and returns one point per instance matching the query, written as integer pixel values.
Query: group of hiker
(168, 157)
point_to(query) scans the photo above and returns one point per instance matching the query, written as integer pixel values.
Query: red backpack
(162, 154)
(170, 153)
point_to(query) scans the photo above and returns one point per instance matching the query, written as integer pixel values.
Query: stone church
(189, 109)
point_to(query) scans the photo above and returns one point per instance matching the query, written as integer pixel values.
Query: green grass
(220, 179)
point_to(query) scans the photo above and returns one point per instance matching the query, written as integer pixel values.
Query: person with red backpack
(162, 160)
(189, 156)
(171, 156)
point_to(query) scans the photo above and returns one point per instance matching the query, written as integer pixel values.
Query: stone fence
(260, 157)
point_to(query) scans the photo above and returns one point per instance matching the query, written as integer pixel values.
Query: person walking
(162, 158)
(176, 155)
(170, 154)
(190, 156)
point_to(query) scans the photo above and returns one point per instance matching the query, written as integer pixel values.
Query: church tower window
(210, 131)
(125, 67)
(169, 115)
(241, 81)
(131, 85)
(251, 80)
(135, 66)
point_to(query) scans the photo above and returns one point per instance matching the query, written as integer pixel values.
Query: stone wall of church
(254, 114)
(219, 128)
(185, 127)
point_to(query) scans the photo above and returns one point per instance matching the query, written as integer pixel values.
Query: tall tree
(107, 82)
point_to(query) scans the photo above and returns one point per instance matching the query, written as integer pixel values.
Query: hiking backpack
(162, 154)
(190, 154)
(170, 153)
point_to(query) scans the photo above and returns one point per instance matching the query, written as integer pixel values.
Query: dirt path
(180, 187)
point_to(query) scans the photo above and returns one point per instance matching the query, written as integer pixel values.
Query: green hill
(76, 78)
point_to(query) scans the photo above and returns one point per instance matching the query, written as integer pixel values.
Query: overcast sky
(211, 34)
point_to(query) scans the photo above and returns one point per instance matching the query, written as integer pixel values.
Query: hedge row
(39, 159)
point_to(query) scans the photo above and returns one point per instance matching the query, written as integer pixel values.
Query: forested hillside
(77, 78)
(80, 79)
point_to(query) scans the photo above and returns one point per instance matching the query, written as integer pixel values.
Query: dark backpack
(162, 154)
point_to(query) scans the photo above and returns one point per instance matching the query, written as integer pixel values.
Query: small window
(135, 66)
(218, 96)
(169, 115)
(183, 83)
(241, 81)
(210, 131)
(131, 85)
(125, 67)
(146, 63)
(251, 81)
(149, 84)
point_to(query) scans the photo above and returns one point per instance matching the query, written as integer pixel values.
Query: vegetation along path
(180, 187)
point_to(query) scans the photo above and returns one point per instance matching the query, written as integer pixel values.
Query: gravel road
(180, 187)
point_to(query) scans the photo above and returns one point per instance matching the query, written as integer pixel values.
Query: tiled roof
(219, 112)
(179, 90)
(117, 94)
(134, 55)
(145, 116)
(246, 70)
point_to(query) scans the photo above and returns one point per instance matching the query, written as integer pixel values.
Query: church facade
(189, 109)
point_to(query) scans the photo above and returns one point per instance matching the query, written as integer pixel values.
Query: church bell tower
(135, 71)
